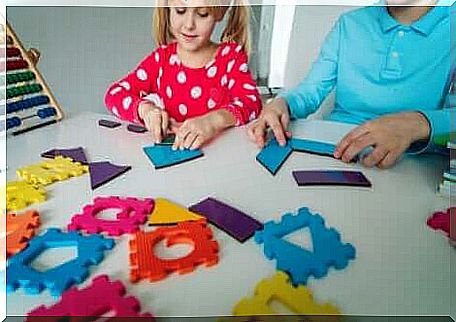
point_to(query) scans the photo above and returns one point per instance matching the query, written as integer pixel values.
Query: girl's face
(191, 23)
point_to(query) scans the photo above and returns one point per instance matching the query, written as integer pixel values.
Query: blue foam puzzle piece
(314, 147)
(90, 251)
(272, 156)
(163, 156)
(299, 263)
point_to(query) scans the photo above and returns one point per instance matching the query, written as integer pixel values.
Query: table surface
(401, 266)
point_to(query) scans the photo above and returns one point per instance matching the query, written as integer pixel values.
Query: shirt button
(395, 54)
(401, 33)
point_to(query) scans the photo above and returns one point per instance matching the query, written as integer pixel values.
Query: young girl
(190, 85)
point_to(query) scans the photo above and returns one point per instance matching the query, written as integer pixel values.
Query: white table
(401, 268)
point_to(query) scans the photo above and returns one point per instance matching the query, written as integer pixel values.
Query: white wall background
(85, 48)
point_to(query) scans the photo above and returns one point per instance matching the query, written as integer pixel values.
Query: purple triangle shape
(76, 154)
(103, 172)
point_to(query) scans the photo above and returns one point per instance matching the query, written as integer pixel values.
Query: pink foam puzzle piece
(103, 172)
(101, 297)
(132, 214)
(441, 220)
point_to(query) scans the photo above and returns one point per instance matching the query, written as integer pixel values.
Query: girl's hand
(275, 115)
(155, 119)
(193, 133)
(390, 136)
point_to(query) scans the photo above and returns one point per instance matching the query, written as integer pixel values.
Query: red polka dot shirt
(184, 92)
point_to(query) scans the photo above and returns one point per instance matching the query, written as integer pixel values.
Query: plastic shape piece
(297, 299)
(58, 279)
(145, 264)
(328, 250)
(441, 220)
(109, 124)
(136, 128)
(133, 213)
(20, 228)
(99, 298)
(20, 194)
(76, 154)
(273, 156)
(314, 147)
(232, 221)
(163, 156)
(103, 172)
(47, 172)
(165, 213)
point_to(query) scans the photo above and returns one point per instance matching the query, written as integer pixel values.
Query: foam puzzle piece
(109, 124)
(145, 264)
(163, 156)
(136, 128)
(273, 156)
(132, 213)
(298, 299)
(87, 304)
(328, 250)
(90, 251)
(232, 221)
(76, 154)
(50, 171)
(20, 228)
(441, 220)
(166, 212)
(331, 178)
(20, 194)
(169, 140)
(314, 147)
(103, 172)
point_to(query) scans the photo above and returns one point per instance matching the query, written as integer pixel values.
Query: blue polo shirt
(379, 66)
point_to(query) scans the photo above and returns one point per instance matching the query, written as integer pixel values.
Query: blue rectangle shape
(315, 147)
(273, 155)
(163, 156)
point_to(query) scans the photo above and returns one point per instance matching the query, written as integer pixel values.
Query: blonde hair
(237, 28)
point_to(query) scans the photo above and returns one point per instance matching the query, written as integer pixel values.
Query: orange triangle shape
(166, 212)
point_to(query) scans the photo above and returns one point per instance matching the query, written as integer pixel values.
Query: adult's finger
(374, 158)
(278, 131)
(199, 141)
(348, 139)
(389, 160)
(357, 146)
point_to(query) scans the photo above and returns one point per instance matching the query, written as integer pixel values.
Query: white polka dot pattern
(249, 87)
(141, 74)
(181, 77)
(238, 48)
(174, 60)
(244, 68)
(183, 109)
(126, 102)
(157, 58)
(115, 111)
(169, 92)
(252, 97)
(225, 51)
(115, 90)
(230, 66)
(224, 80)
(125, 85)
(211, 72)
(231, 84)
(210, 104)
(196, 92)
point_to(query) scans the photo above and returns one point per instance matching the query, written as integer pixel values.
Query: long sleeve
(123, 97)
(245, 103)
(307, 97)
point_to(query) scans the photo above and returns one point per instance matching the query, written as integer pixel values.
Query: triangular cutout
(103, 172)
(76, 154)
(301, 238)
(166, 212)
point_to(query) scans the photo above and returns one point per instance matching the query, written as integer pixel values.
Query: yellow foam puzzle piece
(166, 212)
(52, 170)
(297, 299)
(20, 194)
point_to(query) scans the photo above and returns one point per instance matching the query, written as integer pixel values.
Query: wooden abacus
(29, 101)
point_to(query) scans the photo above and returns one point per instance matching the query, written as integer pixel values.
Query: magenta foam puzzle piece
(76, 154)
(441, 220)
(132, 213)
(100, 298)
(103, 172)
(234, 222)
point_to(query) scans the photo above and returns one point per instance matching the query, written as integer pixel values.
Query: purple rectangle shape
(232, 221)
(331, 177)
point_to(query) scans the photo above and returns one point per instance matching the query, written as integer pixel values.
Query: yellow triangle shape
(166, 212)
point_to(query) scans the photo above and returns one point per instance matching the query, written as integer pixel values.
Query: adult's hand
(275, 115)
(390, 136)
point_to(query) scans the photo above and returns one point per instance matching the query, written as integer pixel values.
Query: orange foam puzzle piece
(145, 264)
(20, 228)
